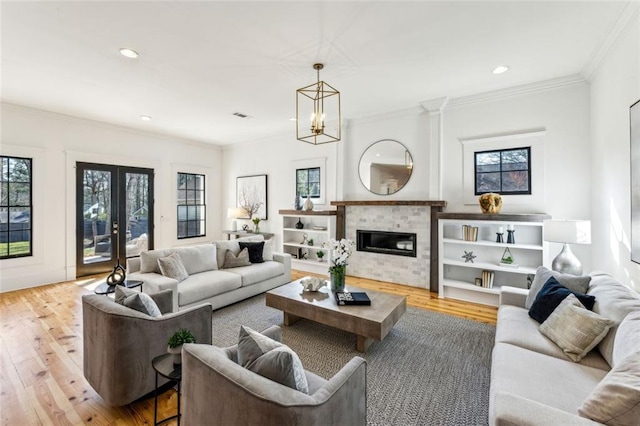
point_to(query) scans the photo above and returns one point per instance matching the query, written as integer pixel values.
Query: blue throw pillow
(551, 295)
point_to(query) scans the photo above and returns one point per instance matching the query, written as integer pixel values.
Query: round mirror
(385, 167)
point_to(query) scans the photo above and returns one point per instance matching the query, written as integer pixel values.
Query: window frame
(203, 205)
(501, 171)
(8, 206)
(319, 181)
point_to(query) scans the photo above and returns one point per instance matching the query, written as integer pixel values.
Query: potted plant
(256, 222)
(176, 341)
(339, 252)
(320, 255)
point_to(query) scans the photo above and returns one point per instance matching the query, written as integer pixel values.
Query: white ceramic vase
(177, 354)
(308, 204)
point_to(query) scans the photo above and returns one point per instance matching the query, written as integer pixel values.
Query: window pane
(191, 208)
(20, 195)
(487, 182)
(182, 213)
(302, 190)
(191, 182)
(182, 196)
(4, 245)
(182, 229)
(19, 218)
(19, 170)
(5, 169)
(19, 248)
(199, 182)
(199, 197)
(4, 194)
(515, 181)
(516, 159)
(314, 175)
(314, 190)
(301, 175)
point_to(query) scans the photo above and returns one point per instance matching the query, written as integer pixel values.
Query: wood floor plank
(41, 376)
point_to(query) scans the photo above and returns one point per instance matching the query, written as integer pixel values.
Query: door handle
(114, 227)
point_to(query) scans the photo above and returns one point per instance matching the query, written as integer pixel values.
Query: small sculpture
(304, 239)
(490, 203)
(468, 256)
(312, 283)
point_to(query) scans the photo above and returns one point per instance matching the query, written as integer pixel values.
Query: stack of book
(487, 279)
(352, 298)
(469, 233)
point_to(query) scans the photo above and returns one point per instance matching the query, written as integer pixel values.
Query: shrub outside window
(16, 224)
(191, 206)
(504, 171)
(308, 182)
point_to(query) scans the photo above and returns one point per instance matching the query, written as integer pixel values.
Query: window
(15, 207)
(503, 171)
(308, 182)
(191, 206)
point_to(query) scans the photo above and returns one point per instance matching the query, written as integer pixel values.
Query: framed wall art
(634, 124)
(251, 195)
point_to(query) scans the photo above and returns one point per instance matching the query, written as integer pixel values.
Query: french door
(114, 215)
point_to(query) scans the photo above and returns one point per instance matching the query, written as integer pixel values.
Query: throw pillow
(141, 302)
(616, 399)
(271, 359)
(255, 251)
(267, 252)
(172, 267)
(574, 329)
(233, 261)
(627, 337)
(572, 282)
(551, 295)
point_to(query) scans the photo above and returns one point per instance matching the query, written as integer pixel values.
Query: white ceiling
(202, 61)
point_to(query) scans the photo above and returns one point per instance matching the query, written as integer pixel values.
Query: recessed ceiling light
(501, 69)
(145, 118)
(129, 53)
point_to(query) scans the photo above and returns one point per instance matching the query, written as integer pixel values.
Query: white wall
(564, 114)
(56, 142)
(615, 85)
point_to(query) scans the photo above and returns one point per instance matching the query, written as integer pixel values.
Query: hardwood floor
(41, 377)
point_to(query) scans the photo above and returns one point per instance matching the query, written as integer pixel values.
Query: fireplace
(395, 243)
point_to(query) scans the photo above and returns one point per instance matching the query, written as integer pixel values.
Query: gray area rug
(431, 369)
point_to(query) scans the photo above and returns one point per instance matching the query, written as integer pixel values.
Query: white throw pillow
(172, 267)
(141, 302)
(575, 329)
(616, 399)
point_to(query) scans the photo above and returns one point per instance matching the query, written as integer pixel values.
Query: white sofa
(208, 281)
(533, 382)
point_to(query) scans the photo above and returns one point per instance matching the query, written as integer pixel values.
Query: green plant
(180, 337)
(320, 254)
(255, 220)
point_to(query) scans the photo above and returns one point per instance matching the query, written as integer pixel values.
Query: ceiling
(202, 61)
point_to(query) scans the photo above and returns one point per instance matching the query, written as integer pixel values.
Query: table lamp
(567, 232)
(235, 213)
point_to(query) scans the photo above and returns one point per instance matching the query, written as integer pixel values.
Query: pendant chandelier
(318, 112)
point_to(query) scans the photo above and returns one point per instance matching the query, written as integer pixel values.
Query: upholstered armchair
(119, 343)
(215, 388)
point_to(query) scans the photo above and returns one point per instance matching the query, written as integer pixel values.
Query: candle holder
(499, 238)
(511, 239)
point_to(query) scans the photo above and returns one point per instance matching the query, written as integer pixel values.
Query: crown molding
(104, 125)
(388, 115)
(620, 26)
(524, 89)
(435, 105)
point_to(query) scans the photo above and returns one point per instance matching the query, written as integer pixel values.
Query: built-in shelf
(292, 237)
(457, 277)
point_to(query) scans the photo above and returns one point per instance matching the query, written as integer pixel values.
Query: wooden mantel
(435, 207)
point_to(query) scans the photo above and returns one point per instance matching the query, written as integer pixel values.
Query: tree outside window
(505, 171)
(191, 206)
(15, 207)
(308, 182)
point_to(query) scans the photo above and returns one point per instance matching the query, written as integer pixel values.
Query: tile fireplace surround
(393, 216)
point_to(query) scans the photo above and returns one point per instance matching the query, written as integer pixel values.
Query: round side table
(105, 288)
(164, 366)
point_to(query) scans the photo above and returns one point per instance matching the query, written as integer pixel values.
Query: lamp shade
(236, 213)
(568, 231)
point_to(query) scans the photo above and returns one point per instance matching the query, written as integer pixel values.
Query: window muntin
(503, 171)
(191, 206)
(16, 195)
(308, 182)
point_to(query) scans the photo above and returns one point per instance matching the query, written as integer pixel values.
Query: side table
(164, 366)
(105, 288)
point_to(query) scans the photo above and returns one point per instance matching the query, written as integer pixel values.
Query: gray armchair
(119, 343)
(215, 386)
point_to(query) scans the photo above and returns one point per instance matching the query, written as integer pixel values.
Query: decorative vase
(299, 225)
(256, 230)
(177, 354)
(337, 279)
(308, 204)
(298, 203)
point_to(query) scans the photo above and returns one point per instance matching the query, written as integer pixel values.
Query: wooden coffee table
(368, 323)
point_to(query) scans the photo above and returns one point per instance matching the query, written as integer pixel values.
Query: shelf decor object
(567, 232)
(499, 235)
(468, 256)
(490, 203)
(507, 259)
(316, 105)
(511, 239)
